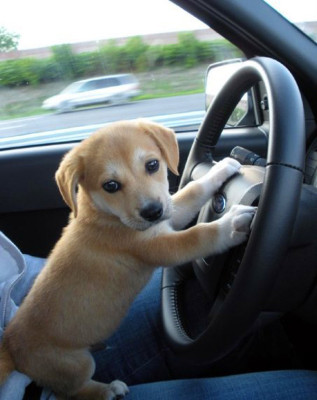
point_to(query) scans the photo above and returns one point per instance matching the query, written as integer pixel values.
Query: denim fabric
(138, 355)
(277, 385)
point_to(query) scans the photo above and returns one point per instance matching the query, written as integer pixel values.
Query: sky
(45, 23)
(60, 21)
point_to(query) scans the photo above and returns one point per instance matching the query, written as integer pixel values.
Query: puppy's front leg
(188, 201)
(202, 240)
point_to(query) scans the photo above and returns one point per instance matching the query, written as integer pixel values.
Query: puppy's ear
(165, 139)
(67, 177)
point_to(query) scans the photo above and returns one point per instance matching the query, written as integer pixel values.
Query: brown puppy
(124, 224)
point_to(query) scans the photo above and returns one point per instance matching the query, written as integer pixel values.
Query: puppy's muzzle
(152, 211)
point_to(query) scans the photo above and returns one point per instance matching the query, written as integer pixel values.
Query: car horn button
(219, 203)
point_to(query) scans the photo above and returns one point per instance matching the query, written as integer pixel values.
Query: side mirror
(216, 77)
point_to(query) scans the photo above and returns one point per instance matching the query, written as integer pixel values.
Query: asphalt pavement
(102, 114)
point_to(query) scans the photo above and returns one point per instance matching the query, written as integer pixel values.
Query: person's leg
(275, 385)
(137, 352)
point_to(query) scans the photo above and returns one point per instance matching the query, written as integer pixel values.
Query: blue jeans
(277, 385)
(138, 355)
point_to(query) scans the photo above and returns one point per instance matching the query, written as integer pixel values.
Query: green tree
(189, 48)
(8, 40)
(134, 53)
(111, 57)
(66, 60)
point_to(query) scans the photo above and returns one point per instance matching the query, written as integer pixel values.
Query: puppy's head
(123, 170)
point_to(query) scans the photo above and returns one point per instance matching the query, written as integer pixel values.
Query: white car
(112, 88)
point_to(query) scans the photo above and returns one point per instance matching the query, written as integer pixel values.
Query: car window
(86, 87)
(73, 88)
(105, 83)
(126, 79)
(102, 83)
(162, 53)
(302, 13)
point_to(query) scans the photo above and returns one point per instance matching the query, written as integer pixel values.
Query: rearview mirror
(217, 76)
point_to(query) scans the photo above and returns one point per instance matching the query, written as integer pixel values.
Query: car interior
(259, 299)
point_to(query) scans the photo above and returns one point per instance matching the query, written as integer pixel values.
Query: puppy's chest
(123, 279)
(112, 300)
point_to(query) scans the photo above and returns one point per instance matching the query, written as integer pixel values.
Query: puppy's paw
(235, 225)
(117, 390)
(222, 171)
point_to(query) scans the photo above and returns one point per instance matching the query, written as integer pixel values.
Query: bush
(189, 48)
(88, 64)
(66, 61)
(134, 51)
(129, 57)
(111, 57)
(20, 72)
(153, 56)
(48, 70)
(134, 55)
(224, 50)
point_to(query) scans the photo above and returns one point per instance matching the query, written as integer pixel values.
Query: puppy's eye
(111, 186)
(152, 166)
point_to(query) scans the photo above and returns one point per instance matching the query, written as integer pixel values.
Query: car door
(98, 91)
(109, 88)
(86, 93)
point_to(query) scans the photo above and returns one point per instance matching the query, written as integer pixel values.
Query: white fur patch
(234, 226)
(112, 168)
(139, 155)
(100, 202)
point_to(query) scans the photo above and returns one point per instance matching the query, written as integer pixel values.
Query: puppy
(124, 223)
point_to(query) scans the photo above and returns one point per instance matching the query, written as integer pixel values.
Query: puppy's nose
(152, 211)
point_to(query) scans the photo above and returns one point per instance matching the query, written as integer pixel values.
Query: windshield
(152, 66)
(163, 52)
(302, 13)
(159, 59)
(73, 88)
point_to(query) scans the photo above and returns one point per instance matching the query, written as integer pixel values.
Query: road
(101, 115)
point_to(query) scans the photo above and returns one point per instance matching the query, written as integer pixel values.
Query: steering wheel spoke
(244, 188)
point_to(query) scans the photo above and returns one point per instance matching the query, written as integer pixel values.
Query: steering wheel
(233, 312)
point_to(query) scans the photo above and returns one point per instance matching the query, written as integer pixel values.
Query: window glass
(217, 76)
(302, 13)
(73, 88)
(161, 54)
(108, 82)
(86, 87)
(103, 83)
